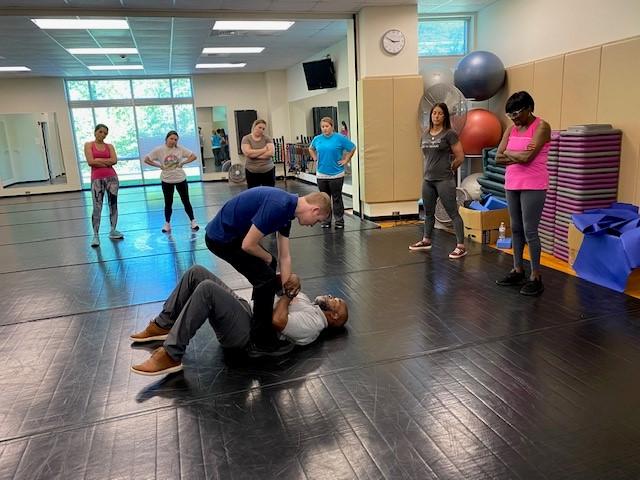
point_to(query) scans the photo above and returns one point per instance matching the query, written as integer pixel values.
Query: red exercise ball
(481, 130)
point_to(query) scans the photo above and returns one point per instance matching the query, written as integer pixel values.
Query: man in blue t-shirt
(234, 235)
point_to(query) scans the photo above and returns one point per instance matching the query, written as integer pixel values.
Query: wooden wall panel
(518, 78)
(407, 168)
(619, 104)
(580, 87)
(376, 139)
(547, 89)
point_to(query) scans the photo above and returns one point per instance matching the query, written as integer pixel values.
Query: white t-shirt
(170, 159)
(305, 321)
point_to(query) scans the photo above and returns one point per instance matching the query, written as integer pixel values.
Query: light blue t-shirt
(330, 151)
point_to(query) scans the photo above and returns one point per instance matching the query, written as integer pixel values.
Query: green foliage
(437, 38)
(152, 88)
(110, 89)
(181, 87)
(78, 90)
(132, 135)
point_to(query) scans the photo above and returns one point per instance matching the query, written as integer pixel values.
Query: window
(139, 113)
(443, 36)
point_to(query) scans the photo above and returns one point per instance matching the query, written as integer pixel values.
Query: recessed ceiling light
(232, 50)
(116, 67)
(220, 65)
(15, 69)
(102, 51)
(77, 24)
(251, 25)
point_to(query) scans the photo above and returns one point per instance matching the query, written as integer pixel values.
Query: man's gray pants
(199, 296)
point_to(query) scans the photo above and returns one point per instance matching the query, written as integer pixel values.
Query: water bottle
(501, 231)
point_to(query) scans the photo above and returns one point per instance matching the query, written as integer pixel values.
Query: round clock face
(393, 41)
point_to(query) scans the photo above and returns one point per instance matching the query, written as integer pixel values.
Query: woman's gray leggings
(525, 210)
(446, 190)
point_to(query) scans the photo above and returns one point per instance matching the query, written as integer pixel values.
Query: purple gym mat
(583, 203)
(586, 185)
(604, 153)
(586, 166)
(579, 208)
(587, 142)
(594, 149)
(596, 137)
(599, 177)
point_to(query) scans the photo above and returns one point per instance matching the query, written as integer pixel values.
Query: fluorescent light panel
(116, 67)
(251, 25)
(210, 50)
(78, 24)
(15, 69)
(220, 65)
(102, 51)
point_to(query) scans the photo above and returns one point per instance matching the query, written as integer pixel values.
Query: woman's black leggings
(183, 191)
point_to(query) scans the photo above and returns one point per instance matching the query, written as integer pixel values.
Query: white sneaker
(167, 227)
(194, 225)
(116, 235)
(96, 241)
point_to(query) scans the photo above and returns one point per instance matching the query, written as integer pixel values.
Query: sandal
(421, 245)
(458, 252)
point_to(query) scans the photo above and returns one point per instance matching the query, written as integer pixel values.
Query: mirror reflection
(214, 138)
(30, 150)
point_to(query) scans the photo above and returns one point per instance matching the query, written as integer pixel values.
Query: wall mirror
(30, 150)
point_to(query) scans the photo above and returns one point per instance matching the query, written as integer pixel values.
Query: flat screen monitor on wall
(320, 74)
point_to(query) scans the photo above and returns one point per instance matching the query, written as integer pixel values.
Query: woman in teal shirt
(331, 152)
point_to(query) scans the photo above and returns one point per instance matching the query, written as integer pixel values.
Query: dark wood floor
(440, 373)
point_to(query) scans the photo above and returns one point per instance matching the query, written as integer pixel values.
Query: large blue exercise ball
(479, 75)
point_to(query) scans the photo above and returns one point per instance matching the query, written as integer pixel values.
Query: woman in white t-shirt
(170, 158)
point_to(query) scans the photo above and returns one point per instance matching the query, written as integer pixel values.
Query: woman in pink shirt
(524, 149)
(101, 157)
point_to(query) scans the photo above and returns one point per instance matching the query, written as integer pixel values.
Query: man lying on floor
(200, 295)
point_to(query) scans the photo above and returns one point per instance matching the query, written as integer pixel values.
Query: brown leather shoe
(151, 333)
(160, 363)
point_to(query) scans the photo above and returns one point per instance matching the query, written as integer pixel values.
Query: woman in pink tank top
(524, 150)
(101, 157)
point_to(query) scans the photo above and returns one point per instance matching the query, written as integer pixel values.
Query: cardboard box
(482, 227)
(574, 238)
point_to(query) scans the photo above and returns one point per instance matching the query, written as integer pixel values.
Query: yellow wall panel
(618, 104)
(580, 87)
(376, 139)
(547, 89)
(407, 168)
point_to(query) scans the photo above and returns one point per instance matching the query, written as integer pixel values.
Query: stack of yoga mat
(589, 161)
(492, 179)
(548, 221)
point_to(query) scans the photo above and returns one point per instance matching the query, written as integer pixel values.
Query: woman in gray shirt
(259, 150)
(439, 144)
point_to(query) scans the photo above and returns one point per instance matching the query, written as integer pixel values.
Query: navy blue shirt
(269, 209)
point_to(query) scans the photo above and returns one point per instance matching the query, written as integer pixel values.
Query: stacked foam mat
(547, 227)
(589, 162)
(492, 179)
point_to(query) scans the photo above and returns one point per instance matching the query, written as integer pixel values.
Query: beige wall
(297, 85)
(594, 85)
(373, 22)
(519, 31)
(300, 112)
(35, 95)
(245, 91)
